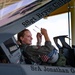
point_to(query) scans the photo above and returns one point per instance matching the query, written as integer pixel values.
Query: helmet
(53, 55)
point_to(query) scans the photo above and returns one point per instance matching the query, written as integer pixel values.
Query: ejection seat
(65, 49)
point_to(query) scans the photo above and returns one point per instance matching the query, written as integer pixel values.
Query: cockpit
(24, 15)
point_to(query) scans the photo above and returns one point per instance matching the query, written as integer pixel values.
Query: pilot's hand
(43, 31)
(39, 38)
(45, 34)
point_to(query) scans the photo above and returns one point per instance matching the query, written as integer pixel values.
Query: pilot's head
(25, 37)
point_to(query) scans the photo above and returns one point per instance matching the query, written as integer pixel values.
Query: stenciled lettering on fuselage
(51, 69)
(44, 11)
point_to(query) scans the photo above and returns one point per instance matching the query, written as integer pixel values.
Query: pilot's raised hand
(45, 34)
(39, 38)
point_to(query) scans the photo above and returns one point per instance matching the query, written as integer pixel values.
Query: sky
(55, 25)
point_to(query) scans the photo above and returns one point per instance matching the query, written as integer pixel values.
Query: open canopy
(20, 14)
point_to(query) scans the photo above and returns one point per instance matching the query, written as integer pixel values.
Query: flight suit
(34, 51)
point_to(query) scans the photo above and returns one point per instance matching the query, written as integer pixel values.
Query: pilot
(47, 52)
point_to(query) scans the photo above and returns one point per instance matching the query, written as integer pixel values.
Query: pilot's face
(27, 38)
